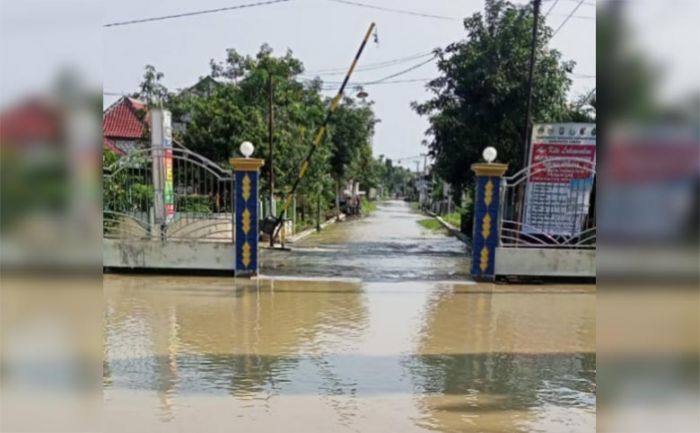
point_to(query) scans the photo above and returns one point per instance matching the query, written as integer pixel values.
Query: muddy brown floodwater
(396, 341)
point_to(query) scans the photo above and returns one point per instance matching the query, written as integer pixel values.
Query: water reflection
(507, 361)
(334, 356)
(183, 336)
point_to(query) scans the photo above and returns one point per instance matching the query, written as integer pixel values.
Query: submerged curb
(454, 231)
(303, 234)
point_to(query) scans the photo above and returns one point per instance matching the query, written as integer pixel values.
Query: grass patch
(453, 218)
(367, 207)
(430, 224)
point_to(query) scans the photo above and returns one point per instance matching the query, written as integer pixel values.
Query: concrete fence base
(545, 262)
(145, 254)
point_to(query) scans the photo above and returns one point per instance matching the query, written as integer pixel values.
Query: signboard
(557, 198)
(162, 143)
(168, 195)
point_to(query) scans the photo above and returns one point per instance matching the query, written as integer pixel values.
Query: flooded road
(388, 245)
(411, 353)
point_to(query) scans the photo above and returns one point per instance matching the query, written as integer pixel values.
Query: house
(124, 125)
(203, 88)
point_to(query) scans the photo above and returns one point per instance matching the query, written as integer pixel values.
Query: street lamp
(489, 154)
(362, 94)
(246, 149)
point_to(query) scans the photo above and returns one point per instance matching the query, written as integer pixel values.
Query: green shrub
(194, 203)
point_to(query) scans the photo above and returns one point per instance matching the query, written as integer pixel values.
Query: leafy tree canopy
(480, 97)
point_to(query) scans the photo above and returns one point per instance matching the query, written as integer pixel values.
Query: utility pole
(269, 133)
(531, 78)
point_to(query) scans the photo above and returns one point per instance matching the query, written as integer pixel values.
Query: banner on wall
(168, 195)
(557, 198)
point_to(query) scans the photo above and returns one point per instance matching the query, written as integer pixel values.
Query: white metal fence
(549, 204)
(133, 197)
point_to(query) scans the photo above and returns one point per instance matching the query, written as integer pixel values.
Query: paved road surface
(388, 245)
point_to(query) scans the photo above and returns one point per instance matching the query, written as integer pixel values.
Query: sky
(322, 33)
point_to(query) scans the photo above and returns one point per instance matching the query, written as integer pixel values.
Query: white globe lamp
(247, 149)
(489, 154)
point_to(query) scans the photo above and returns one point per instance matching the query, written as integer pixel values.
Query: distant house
(124, 124)
(203, 88)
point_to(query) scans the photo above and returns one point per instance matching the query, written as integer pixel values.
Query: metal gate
(555, 214)
(133, 198)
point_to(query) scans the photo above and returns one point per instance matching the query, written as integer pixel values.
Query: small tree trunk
(302, 198)
(318, 211)
(337, 199)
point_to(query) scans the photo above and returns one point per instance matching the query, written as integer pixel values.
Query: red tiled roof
(121, 119)
(31, 122)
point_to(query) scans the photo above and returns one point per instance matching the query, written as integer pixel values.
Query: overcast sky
(39, 37)
(323, 34)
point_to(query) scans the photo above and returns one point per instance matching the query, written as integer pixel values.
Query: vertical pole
(246, 172)
(271, 150)
(322, 130)
(157, 168)
(531, 78)
(485, 237)
(318, 210)
(294, 213)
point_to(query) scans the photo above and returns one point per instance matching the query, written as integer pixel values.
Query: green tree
(231, 105)
(151, 90)
(237, 110)
(583, 108)
(351, 130)
(480, 97)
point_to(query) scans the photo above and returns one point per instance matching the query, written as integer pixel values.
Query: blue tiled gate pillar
(246, 173)
(487, 205)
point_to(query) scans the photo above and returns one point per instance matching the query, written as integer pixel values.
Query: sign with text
(557, 197)
(168, 195)
(162, 155)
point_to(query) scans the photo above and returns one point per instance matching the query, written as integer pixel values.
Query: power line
(331, 86)
(550, 8)
(580, 17)
(408, 80)
(584, 2)
(402, 71)
(399, 11)
(327, 85)
(372, 66)
(566, 20)
(193, 13)
(388, 77)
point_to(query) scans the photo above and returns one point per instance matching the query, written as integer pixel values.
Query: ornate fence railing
(135, 190)
(549, 204)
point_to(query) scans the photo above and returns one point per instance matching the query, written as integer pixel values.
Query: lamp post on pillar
(487, 206)
(246, 173)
